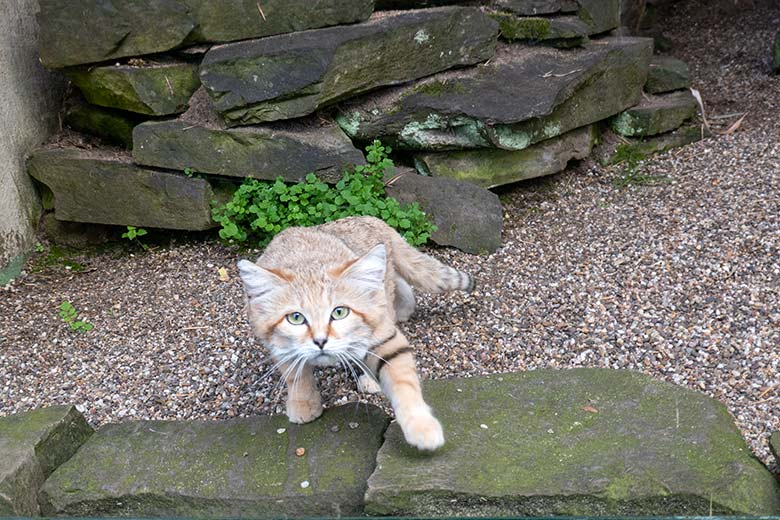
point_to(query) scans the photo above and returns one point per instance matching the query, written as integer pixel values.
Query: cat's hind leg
(404, 300)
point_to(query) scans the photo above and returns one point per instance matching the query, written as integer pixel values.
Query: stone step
(104, 187)
(293, 75)
(666, 74)
(467, 216)
(75, 32)
(656, 114)
(155, 88)
(524, 95)
(32, 446)
(291, 150)
(239, 468)
(582, 442)
(492, 167)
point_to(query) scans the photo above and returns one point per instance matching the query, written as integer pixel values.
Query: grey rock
(467, 216)
(493, 167)
(75, 235)
(774, 445)
(667, 74)
(613, 149)
(776, 54)
(523, 96)
(104, 187)
(656, 115)
(289, 150)
(75, 32)
(157, 89)
(238, 468)
(535, 7)
(112, 126)
(585, 442)
(32, 446)
(288, 76)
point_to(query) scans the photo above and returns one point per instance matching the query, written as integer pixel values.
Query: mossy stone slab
(666, 74)
(582, 442)
(288, 76)
(647, 146)
(239, 468)
(113, 126)
(655, 115)
(32, 446)
(492, 167)
(75, 32)
(157, 89)
(467, 217)
(290, 151)
(535, 7)
(774, 446)
(559, 31)
(103, 187)
(526, 94)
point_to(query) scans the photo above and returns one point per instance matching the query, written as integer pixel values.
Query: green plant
(631, 173)
(132, 235)
(39, 247)
(189, 172)
(261, 209)
(69, 315)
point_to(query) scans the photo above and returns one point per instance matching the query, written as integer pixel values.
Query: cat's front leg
(304, 403)
(398, 377)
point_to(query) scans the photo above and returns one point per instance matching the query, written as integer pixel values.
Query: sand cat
(331, 295)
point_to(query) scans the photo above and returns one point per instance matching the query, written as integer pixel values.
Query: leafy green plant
(132, 235)
(39, 247)
(69, 315)
(261, 209)
(632, 174)
(189, 172)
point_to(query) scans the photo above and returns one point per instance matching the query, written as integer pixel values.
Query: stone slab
(776, 54)
(113, 126)
(646, 146)
(774, 446)
(559, 31)
(492, 167)
(239, 468)
(655, 115)
(526, 94)
(106, 188)
(535, 7)
(75, 32)
(155, 89)
(467, 216)
(666, 74)
(289, 150)
(32, 446)
(284, 77)
(582, 442)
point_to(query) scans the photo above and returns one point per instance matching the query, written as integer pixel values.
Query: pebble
(300, 452)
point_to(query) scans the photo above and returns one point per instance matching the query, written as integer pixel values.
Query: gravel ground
(679, 279)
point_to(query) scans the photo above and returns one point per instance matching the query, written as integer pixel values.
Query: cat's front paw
(302, 411)
(368, 384)
(424, 432)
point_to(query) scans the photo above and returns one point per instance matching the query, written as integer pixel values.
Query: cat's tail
(425, 273)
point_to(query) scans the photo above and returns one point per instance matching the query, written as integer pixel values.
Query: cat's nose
(320, 342)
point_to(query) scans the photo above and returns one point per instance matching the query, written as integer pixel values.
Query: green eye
(339, 313)
(296, 318)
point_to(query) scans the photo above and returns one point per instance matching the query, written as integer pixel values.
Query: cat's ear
(258, 281)
(369, 269)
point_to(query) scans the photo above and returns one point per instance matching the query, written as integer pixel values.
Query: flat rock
(288, 76)
(104, 187)
(535, 7)
(582, 442)
(155, 89)
(75, 235)
(113, 126)
(467, 216)
(656, 114)
(239, 468)
(776, 54)
(32, 446)
(774, 446)
(75, 32)
(492, 167)
(667, 74)
(590, 17)
(615, 150)
(524, 95)
(390, 5)
(287, 149)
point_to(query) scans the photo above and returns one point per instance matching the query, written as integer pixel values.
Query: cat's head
(321, 314)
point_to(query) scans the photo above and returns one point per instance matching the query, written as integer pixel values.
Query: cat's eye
(296, 318)
(339, 313)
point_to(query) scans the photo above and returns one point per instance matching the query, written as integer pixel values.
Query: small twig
(195, 328)
(550, 74)
(261, 13)
(395, 178)
(170, 87)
